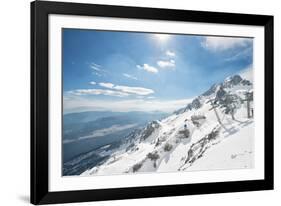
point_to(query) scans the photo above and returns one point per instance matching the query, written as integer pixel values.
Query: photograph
(130, 102)
(139, 102)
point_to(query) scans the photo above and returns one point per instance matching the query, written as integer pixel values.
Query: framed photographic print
(131, 102)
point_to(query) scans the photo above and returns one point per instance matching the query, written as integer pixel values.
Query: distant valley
(85, 134)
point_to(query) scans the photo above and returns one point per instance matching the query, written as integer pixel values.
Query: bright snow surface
(165, 151)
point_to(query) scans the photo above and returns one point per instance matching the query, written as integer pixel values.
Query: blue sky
(129, 71)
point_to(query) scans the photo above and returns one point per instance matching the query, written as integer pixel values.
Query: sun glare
(162, 37)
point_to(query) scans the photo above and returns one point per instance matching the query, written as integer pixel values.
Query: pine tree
(230, 103)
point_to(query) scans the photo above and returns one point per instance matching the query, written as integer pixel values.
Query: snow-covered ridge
(214, 131)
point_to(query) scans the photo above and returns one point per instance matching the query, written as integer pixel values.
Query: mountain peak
(228, 83)
(235, 80)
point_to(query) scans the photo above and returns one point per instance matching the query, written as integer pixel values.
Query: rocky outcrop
(149, 129)
(197, 149)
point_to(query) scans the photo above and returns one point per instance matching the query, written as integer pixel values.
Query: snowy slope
(190, 139)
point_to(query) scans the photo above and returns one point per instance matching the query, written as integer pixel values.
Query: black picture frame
(40, 96)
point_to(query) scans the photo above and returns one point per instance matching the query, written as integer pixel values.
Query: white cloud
(134, 90)
(106, 92)
(80, 104)
(109, 130)
(113, 90)
(148, 68)
(106, 85)
(102, 132)
(166, 64)
(98, 70)
(93, 83)
(242, 54)
(223, 43)
(130, 76)
(96, 67)
(170, 53)
(127, 89)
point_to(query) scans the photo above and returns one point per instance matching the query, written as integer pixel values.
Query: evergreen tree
(230, 103)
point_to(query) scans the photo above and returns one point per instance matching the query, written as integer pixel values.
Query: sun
(162, 37)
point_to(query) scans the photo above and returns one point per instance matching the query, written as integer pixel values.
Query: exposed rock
(245, 82)
(220, 95)
(232, 81)
(196, 104)
(198, 148)
(149, 129)
(211, 90)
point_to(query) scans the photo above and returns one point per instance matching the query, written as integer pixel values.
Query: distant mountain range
(87, 131)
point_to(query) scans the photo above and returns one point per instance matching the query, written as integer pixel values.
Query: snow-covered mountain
(214, 131)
